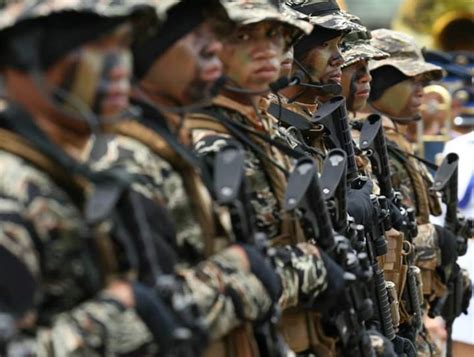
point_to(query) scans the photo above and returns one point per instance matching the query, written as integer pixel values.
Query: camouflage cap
(19, 11)
(327, 14)
(246, 12)
(356, 46)
(405, 55)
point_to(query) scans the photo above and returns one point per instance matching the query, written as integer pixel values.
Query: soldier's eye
(243, 36)
(274, 32)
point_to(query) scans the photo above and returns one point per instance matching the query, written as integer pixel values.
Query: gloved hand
(467, 292)
(382, 346)
(335, 286)
(404, 347)
(359, 204)
(447, 244)
(156, 315)
(399, 221)
(262, 269)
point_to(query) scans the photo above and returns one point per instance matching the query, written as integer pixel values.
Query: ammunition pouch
(240, 342)
(303, 331)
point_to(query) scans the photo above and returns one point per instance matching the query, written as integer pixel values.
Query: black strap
(289, 117)
(395, 148)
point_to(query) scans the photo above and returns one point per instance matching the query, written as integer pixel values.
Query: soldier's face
(356, 85)
(96, 76)
(252, 54)
(185, 73)
(324, 62)
(403, 99)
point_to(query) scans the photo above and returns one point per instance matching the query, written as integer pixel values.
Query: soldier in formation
(171, 183)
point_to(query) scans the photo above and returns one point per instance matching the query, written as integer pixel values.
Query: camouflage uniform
(43, 232)
(409, 176)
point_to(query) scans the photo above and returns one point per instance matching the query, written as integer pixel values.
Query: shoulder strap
(289, 117)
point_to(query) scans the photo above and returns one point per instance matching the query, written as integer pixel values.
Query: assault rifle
(229, 189)
(304, 195)
(333, 116)
(334, 188)
(450, 305)
(372, 142)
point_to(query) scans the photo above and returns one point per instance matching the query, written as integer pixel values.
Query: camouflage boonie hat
(19, 11)
(356, 46)
(246, 12)
(405, 55)
(327, 14)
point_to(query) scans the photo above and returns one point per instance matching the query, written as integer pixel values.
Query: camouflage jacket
(42, 228)
(302, 273)
(163, 183)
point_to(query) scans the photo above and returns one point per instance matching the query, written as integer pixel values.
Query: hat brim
(411, 67)
(362, 51)
(253, 14)
(337, 21)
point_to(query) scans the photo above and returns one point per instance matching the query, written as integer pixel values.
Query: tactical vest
(240, 342)
(301, 329)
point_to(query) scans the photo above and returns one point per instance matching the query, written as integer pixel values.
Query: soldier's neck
(244, 99)
(73, 142)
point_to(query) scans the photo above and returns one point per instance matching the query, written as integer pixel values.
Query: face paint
(402, 100)
(186, 72)
(286, 63)
(356, 85)
(252, 55)
(324, 62)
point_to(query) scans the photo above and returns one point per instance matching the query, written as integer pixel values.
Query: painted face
(324, 62)
(96, 76)
(252, 55)
(186, 72)
(402, 100)
(287, 63)
(356, 85)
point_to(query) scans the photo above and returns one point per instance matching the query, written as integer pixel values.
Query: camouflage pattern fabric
(335, 20)
(246, 12)
(302, 272)
(356, 46)
(161, 184)
(405, 55)
(18, 11)
(40, 225)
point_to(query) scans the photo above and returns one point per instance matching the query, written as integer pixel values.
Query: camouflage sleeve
(226, 292)
(302, 273)
(401, 181)
(92, 328)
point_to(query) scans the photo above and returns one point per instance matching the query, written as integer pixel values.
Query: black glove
(399, 221)
(359, 204)
(447, 244)
(157, 317)
(404, 347)
(262, 269)
(336, 284)
(466, 297)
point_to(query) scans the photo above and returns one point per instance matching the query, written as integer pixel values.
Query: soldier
(251, 58)
(397, 88)
(228, 284)
(65, 64)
